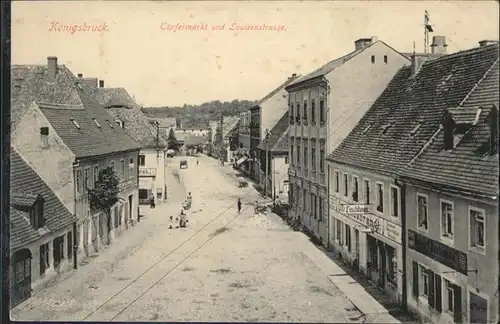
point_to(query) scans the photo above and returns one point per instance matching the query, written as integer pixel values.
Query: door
(20, 277)
(383, 266)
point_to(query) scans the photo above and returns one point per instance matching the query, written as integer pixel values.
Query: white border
(419, 228)
(481, 251)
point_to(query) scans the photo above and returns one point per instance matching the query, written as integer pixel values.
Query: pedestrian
(152, 201)
(197, 162)
(239, 205)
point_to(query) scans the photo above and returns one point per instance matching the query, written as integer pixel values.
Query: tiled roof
(23, 199)
(67, 99)
(190, 139)
(229, 124)
(24, 180)
(466, 167)
(121, 106)
(289, 81)
(412, 103)
(276, 134)
(21, 232)
(164, 122)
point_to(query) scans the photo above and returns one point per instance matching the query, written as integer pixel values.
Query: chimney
(101, 83)
(80, 75)
(44, 133)
(364, 42)
(52, 67)
(439, 45)
(416, 62)
(487, 42)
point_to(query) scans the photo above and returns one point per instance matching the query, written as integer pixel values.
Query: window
(394, 201)
(477, 226)
(392, 264)
(131, 168)
(313, 111)
(96, 174)
(337, 181)
(313, 206)
(298, 153)
(305, 112)
(373, 58)
(322, 111)
(37, 218)
(23, 270)
(142, 160)
(348, 237)
(286, 159)
(112, 165)
(291, 114)
(305, 153)
(380, 197)
(159, 193)
(422, 211)
(304, 199)
(322, 160)
(58, 252)
(313, 158)
(366, 129)
(69, 239)
(339, 231)
(122, 168)
(449, 297)
(425, 282)
(298, 112)
(385, 59)
(372, 252)
(447, 219)
(367, 191)
(44, 258)
(355, 189)
(346, 185)
(321, 207)
(86, 177)
(78, 180)
(478, 308)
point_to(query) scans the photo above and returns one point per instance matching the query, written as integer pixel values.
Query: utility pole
(157, 140)
(221, 140)
(266, 140)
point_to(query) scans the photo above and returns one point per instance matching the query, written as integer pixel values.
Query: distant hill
(199, 115)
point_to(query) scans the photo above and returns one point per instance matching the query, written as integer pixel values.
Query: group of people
(186, 205)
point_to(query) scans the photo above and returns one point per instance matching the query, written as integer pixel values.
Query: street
(224, 266)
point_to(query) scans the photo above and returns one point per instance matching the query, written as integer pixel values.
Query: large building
(324, 106)
(58, 125)
(406, 184)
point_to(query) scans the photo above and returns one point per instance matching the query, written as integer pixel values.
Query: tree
(105, 194)
(171, 135)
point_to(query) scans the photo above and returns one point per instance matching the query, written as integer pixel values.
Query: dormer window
(120, 123)
(367, 128)
(449, 129)
(96, 123)
(75, 123)
(416, 128)
(37, 219)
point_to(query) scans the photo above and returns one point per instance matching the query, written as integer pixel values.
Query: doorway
(20, 277)
(356, 247)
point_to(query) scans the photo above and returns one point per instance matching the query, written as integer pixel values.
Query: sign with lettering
(438, 251)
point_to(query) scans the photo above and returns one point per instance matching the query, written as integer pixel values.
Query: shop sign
(438, 251)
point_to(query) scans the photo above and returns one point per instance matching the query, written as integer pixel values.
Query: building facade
(323, 109)
(58, 122)
(374, 206)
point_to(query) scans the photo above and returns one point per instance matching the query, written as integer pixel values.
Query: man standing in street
(239, 205)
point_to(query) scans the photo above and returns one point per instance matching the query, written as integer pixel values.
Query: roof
(467, 166)
(65, 99)
(408, 102)
(229, 124)
(289, 81)
(23, 199)
(190, 139)
(278, 138)
(164, 122)
(121, 106)
(25, 182)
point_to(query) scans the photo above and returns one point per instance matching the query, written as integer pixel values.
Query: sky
(161, 66)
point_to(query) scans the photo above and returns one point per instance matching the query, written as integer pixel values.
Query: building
(213, 124)
(226, 142)
(153, 142)
(370, 207)
(451, 190)
(57, 124)
(41, 232)
(243, 152)
(275, 151)
(194, 131)
(324, 106)
(165, 124)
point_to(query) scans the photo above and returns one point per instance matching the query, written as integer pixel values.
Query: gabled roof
(440, 84)
(121, 106)
(229, 124)
(289, 81)
(469, 166)
(21, 232)
(278, 137)
(63, 100)
(25, 181)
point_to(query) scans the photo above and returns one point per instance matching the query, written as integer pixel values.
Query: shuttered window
(415, 279)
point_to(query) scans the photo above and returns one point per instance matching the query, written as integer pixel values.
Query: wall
(272, 110)
(26, 139)
(354, 87)
(279, 175)
(153, 161)
(486, 281)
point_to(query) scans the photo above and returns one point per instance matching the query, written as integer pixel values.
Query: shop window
(23, 270)
(355, 188)
(44, 258)
(422, 211)
(392, 264)
(447, 219)
(367, 191)
(339, 231)
(477, 226)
